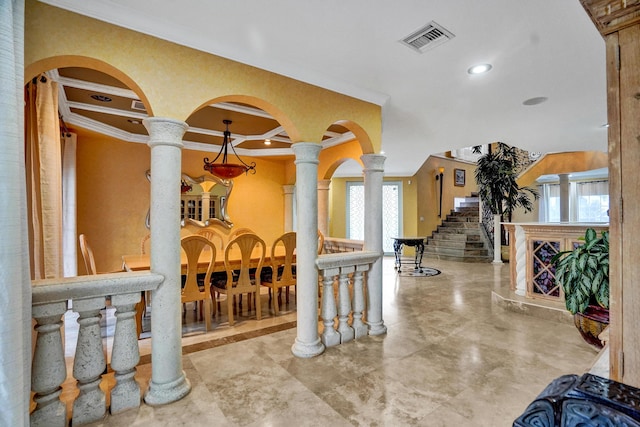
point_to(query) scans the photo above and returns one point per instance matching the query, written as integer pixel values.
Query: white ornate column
(564, 197)
(168, 380)
(323, 206)
(288, 191)
(206, 205)
(373, 177)
(497, 240)
(307, 343)
(521, 261)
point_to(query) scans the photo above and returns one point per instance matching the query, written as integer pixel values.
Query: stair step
(461, 218)
(456, 243)
(468, 259)
(455, 251)
(457, 237)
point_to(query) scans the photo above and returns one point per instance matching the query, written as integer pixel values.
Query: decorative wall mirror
(203, 200)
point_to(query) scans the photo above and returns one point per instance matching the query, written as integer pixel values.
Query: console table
(399, 242)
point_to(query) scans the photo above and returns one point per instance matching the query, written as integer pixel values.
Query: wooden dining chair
(283, 272)
(90, 266)
(145, 243)
(213, 237)
(239, 231)
(194, 289)
(245, 277)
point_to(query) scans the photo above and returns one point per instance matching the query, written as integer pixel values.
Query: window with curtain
(550, 203)
(593, 201)
(588, 202)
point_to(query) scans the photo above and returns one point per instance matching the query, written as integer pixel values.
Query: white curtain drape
(15, 283)
(44, 178)
(69, 225)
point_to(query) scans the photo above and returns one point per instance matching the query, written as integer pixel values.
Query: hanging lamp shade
(224, 169)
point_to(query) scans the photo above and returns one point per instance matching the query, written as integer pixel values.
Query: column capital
(373, 162)
(324, 184)
(288, 189)
(165, 131)
(306, 152)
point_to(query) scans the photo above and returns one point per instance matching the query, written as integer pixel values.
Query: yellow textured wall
(113, 197)
(174, 81)
(428, 187)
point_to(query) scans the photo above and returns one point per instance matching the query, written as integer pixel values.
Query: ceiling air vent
(428, 37)
(136, 104)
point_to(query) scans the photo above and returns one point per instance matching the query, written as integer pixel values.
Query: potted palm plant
(496, 175)
(583, 274)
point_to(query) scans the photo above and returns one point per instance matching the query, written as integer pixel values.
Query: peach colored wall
(428, 187)
(113, 196)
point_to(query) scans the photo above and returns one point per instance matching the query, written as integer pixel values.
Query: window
(588, 202)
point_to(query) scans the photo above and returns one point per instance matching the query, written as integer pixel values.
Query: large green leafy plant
(496, 175)
(583, 272)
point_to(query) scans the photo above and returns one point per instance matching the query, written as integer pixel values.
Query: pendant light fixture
(224, 169)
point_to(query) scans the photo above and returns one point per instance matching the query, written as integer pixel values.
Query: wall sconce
(439, 177)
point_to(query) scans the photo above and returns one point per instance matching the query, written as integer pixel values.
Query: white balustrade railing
(88, 295)
(346, 270)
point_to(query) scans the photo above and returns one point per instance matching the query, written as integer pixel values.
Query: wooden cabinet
(619, 23)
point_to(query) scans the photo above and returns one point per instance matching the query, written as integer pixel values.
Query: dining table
(139, 262)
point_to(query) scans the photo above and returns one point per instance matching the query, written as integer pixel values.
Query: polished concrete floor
(452, 356)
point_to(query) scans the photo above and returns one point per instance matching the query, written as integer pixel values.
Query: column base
(377, 328)
(307, 350)
(161, 394)
(496, 261)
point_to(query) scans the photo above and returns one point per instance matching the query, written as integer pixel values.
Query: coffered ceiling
(96, 101)
(542, 50)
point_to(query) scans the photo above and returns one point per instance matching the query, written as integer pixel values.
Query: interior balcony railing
(86, 295)
(343, 283)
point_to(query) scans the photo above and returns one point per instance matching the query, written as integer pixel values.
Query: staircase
(459, 237)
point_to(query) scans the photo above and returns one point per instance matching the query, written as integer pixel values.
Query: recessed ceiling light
(101, 98)
(479, 69)
(606, 125)
(134, 121)
(535, 101)
(267, 142)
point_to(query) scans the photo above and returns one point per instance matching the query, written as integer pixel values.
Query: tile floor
(451, 357)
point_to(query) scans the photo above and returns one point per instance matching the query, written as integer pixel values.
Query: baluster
(346, 332)
(125, 355)
(330, 336)
(358, 302)
(48, 369)
(89, 363)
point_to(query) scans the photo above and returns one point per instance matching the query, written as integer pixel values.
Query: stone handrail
(346, 269)
(88, 295)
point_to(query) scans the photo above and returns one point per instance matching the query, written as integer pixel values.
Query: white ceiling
(541, 48)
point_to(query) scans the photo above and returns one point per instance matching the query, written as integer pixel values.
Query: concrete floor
(453, 356)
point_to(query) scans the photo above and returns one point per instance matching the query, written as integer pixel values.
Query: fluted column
(307, 343)
(168, 380)
(288, 191)
(373, 177)
(323, 206)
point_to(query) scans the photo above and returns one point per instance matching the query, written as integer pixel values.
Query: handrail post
(125, 354)
(89, 363)
(48, 369)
